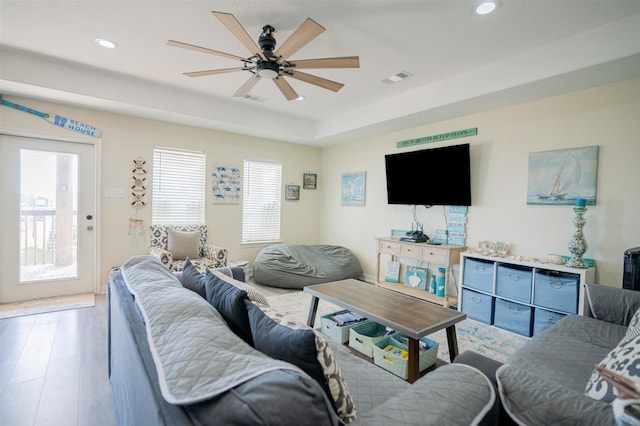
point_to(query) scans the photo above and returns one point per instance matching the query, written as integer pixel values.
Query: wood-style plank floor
(53, 369)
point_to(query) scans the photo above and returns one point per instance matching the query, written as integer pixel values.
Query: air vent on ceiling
(396, 77)
(255, 98)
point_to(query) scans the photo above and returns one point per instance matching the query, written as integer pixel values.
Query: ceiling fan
(271, 63)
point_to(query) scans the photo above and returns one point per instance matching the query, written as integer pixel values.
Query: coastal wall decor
(292, 192)
(309, 181)
(562, 176)
(226, 184)
(353, 189)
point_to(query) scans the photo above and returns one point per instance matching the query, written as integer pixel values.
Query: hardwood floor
(53, 369)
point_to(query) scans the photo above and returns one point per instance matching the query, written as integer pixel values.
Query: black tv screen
(436, 176)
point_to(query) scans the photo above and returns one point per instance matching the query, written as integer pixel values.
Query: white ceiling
(460, 62)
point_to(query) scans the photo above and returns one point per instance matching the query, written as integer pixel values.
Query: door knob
(89, 217)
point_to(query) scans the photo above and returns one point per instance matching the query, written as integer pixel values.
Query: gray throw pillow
(229, 302)
(193, 279)
(183, 244)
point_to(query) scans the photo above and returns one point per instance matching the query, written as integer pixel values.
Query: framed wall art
(226, 184)
(309, 180)
(561, 176)
(292, 192)
(353, 189)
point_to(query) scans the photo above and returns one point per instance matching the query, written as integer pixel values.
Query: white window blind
(178, 186)
(261, 202)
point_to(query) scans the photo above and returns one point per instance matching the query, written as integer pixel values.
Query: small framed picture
(292, 192)
(309, 180)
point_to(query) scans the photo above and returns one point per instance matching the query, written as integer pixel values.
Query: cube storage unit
(364, 335)
(339, 333)
(520, 296)
(398, 363)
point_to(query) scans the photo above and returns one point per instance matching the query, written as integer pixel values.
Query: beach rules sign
(437, 138)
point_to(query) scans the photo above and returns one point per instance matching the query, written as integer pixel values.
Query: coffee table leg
(311, 319)
(453, 342)
(414, 358)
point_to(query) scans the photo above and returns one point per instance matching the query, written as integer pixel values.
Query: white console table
(439, 255)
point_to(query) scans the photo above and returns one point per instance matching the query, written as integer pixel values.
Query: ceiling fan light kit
(268, 62)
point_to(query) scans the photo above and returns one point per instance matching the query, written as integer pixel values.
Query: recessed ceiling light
(486, 6)
(106, 43)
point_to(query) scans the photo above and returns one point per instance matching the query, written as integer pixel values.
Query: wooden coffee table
(412, 317)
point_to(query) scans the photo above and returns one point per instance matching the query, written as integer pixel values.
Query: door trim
(97, 149)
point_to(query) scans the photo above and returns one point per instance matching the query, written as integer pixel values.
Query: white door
(46, 218)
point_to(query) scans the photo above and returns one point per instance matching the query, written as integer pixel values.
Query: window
(178, 186)
(261, 202)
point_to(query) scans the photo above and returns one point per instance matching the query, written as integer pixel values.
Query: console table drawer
(414, 252)
(434, 255)
(389, 247)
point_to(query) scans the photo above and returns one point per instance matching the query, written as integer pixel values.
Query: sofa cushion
(252, 293)
(305, 348)
(193, 279)
(229, 302)
(624, 359)
(183, 244)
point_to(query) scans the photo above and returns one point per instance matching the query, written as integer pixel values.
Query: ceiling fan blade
(306, 32)
(203, 49)
(212, 72)
(241, 34)
(343, 62)
(246, 87)
(285, 88)
(318, 81)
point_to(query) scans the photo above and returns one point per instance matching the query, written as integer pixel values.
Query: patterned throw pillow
(624, 359)
(303, 347)
(252, 293)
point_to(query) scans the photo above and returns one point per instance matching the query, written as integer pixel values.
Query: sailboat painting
(562, 176)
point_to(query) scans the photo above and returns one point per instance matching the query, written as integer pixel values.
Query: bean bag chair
(296, 266)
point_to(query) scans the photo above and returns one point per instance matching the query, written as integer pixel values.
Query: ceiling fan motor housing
(266, 41)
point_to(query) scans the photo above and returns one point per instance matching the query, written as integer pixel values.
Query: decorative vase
(578, 245)
(441, 282)
(432, 285)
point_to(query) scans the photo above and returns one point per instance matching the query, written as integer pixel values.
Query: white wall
(607, 116)
(124, 138)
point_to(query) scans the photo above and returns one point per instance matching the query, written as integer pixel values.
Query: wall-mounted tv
(436, 176)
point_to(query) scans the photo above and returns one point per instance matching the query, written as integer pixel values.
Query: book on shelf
(396, 351)
(392, 273)
(416, 277)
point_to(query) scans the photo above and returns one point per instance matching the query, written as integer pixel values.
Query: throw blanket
(195, 353)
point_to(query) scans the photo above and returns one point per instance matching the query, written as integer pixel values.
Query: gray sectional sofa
(547, 380)
(228, 381)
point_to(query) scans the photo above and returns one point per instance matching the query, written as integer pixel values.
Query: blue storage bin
(543, 319)
(477, 306)
(478, 274)
(513, 317)
(513, 283)
(556, 290)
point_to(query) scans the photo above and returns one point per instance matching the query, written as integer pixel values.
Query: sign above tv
(437, 138)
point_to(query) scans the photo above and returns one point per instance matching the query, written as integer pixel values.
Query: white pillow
(624, 359)
(183, 244)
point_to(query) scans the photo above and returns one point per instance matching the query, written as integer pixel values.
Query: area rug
(41, 306)
(483, 339)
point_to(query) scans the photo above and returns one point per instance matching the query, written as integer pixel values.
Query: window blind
(178, 186)
(261, 202)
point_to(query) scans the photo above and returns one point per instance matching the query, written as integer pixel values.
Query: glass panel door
(48, 215)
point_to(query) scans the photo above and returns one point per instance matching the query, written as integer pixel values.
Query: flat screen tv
(436, 176)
